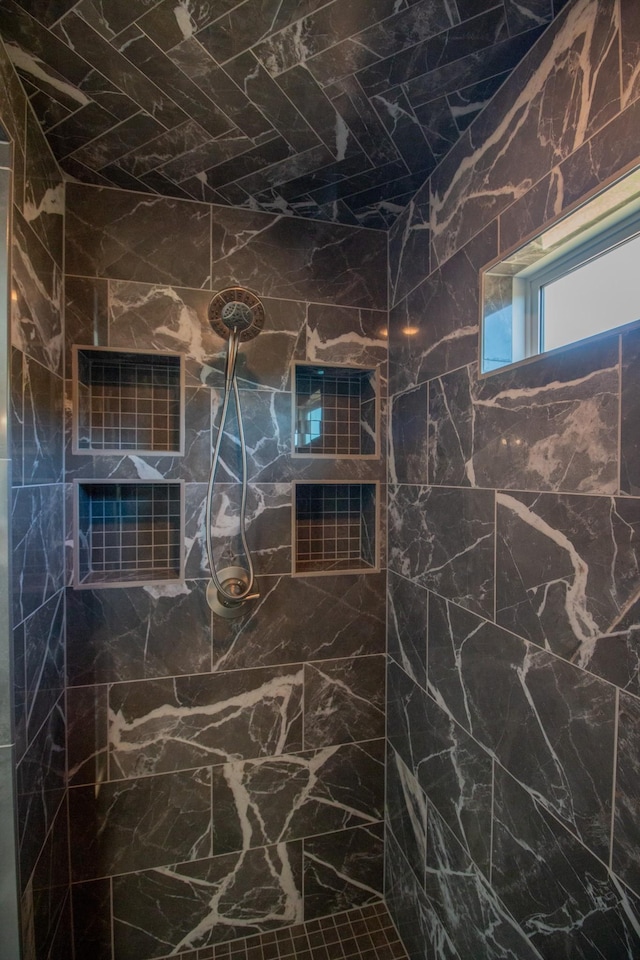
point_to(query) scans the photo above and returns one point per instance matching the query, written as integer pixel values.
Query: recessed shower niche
(127, 402)
(127, 532)
(335, 411)
(335, 526)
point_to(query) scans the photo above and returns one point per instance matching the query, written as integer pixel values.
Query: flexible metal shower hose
(231, 383)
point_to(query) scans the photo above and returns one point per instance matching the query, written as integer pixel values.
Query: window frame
(605, 231)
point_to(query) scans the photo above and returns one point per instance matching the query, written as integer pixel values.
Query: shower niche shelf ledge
(127, 402)
(335, 528)
(128, 532)
(335, 411)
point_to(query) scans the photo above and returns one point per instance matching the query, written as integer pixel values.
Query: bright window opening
(577, 279)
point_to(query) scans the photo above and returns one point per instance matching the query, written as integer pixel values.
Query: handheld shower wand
(237, 315)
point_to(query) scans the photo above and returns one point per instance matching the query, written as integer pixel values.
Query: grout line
(616, 724)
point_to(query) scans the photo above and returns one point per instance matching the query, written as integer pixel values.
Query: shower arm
(230, 384)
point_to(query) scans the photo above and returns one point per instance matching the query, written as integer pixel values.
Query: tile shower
(244, 764)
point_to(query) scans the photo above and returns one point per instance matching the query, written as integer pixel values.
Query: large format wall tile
(625, 827)
(335, 616)
(444, 540)
(482, 433)
(130, 633)
(38, 538)
(42, 434)
(568, 569)
(282, 257)
(408, 446)
(342, 870)
(476, 921)
(124, 236)
(37, 297)
(492, 165)
(135, 824)
(453, 770)
(40, 784)
(435, 328)
(406, 813)
(343, 701)
(207, 902)
(629, 412)
(161, 725)
(91, 902)
(407, 626)
(267, 801)
(416, 920)
(548, 722)
(43, 191)
(562, 896)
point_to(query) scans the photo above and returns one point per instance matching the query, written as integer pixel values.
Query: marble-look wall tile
(123, 236)
(473, 916)
(444, 540)
(561, 895)
(630, 51)
(406, 812)
(568, 570)
(87, 734)
(337, 334)
(16, 409)
(283, 257)
(341, 616)
(43, 656)
(343, 870)
(531, 211)
(40, 789)
(482, 432)
(268, 527)
(161, 317)
(42, 435)
(14, 120)
(343, 701)
(45, 915)
(162, 725)
(408, 444)
(36, 298)
(38, 543)
(409, 247)
(422, 933)
(91, 903)
(136, 824)
(435, 328)
(577, 66)
(625, 827)
(548, 722)
(86, 315)
(207, 902)
(451, 768)
(407, 626)
(602, 157)
(44, 191)
(270, 800)
(134, 633)
(629, 413)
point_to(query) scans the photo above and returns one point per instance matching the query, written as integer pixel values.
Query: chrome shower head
(239, 310)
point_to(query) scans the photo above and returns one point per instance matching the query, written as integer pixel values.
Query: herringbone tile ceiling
(336, 111)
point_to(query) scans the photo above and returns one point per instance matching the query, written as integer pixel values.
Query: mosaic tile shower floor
(364, 933)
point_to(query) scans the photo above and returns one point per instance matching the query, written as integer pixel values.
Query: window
(577, 279)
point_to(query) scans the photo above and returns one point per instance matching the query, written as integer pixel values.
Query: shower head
(239, 310)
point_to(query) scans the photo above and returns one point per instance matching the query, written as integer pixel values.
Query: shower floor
(364, 933)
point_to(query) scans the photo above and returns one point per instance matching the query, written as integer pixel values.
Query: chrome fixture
(237, 316)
